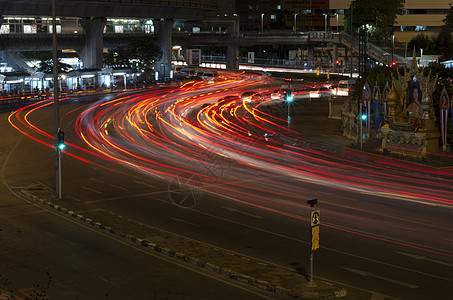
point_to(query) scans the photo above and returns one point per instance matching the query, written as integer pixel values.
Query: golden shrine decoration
(410, 122)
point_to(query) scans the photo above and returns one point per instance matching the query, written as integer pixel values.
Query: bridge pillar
(163, 31)
(311, 55)
(92, 53)
(335, 56)
(232, 57)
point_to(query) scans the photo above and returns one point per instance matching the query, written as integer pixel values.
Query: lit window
(272, 17)
(279, 6)
(250, 17)
(420, 28)
(250, 7)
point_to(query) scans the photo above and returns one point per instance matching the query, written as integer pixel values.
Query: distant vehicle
(228, 102)
(324, 91)
(277, 94)
(209, 76)
(314, 93)
(300, 93)
(251, 95)
(341, 89)
(188, 72)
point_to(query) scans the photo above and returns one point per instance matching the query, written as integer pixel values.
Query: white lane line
(414, 256)
(241, 212)
(91, 190)
(377, 297)
(95, 179)
(183, 221)
(144, 183)
(365, 273)
(119, 187)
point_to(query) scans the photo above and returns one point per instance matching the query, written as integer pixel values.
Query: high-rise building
(418, 16)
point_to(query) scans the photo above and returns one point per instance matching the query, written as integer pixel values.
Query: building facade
(418, 16)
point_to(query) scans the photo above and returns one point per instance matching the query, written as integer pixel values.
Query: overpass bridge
(232, 41)
(167, 9)
(93, 14)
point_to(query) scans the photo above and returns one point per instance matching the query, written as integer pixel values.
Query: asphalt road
(45, 254)
(377, 247)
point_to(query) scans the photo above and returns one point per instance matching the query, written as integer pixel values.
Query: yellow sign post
(314, 245)
(315, 238)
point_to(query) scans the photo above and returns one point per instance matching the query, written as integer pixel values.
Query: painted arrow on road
(369, 274)
(414, 256)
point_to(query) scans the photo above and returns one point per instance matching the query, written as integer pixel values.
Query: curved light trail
(238, 149)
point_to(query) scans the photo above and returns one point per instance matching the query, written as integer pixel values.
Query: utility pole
(56, 98)
(352, 44)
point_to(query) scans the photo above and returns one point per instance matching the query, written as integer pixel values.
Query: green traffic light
(61, 146)
(364, 117)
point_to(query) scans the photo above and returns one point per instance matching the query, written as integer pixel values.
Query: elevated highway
(93, 15)
(27, 42)
(168, 9)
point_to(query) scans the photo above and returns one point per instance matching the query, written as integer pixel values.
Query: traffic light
(61, 145)
(363, 114)
(337, 62)
(289, 96)
(393, 63)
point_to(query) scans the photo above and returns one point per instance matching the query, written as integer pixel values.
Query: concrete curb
(224, 272)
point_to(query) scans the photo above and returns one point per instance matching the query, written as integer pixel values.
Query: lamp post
(262, 26)
(352, 40)
(421, 56)
(336, 15)
(393, 47)
(295, 22)
(325, 23)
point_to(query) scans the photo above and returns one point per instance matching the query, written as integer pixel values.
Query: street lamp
(325, 23)
(295, 22)
(421, 56)
(393, 47)
(262, 26)
(337, 21)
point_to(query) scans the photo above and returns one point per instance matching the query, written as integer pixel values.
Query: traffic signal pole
(56, 94)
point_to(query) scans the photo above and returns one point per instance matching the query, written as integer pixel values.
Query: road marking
(377, 297)
(365, 273)
(183, 221)
(119, 187)
(144, 183)
(95, 179)
(241, 212)
(414, 256)
(91, 190)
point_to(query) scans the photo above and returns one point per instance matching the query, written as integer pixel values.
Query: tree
(421, 42)
(444, 44)
(140, 53)
(45, 63)
(448, 21)
(380, 15)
